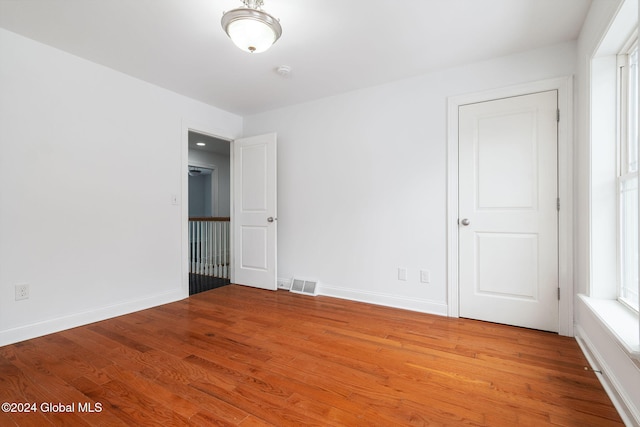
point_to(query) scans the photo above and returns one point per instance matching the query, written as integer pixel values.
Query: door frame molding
(190, 126)
(564, 86)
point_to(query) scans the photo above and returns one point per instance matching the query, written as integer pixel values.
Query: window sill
(621, 322)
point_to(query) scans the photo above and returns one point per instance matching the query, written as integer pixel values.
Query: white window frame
(624, 174)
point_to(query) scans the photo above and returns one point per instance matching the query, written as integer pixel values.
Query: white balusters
(209, 247)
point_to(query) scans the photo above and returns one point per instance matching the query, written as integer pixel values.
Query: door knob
(465, 221)
(271, 219)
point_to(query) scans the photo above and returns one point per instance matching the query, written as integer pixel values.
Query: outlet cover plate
(22, 292)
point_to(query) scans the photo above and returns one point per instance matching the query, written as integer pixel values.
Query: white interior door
(508, 225)
(255, 211)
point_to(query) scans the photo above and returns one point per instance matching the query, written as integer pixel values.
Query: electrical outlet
(22, 292)
(402, 273)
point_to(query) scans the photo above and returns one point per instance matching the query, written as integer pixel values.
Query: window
(627, 180)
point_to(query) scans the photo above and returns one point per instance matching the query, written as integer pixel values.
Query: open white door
(255, 211)
(508, 238)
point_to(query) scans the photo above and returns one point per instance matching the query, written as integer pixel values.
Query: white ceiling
(333, 46)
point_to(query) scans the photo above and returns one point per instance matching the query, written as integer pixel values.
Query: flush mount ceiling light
(250, 28)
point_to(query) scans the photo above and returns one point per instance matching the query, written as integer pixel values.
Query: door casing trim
(564, 86)
(191, 126)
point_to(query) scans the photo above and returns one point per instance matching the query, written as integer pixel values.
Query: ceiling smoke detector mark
(304, 286)
(284, 71)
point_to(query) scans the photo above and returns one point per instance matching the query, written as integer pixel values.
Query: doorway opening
(209, 185)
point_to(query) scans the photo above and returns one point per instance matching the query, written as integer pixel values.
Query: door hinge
(558, 115)
(558, 203)
(558, 294)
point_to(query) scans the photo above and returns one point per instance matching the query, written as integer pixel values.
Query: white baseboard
(628, 411)
(97, 314)
(413, 304)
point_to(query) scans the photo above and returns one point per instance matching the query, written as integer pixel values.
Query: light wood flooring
(241, 356)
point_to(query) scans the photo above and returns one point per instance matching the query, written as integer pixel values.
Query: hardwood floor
(248, 357)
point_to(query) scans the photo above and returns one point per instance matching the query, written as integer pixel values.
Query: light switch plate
(425, 276)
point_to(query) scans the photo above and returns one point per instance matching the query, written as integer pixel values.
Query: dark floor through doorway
(199, 283)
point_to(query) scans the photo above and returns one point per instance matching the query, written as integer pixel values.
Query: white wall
(223, 166)
(362, 179)
(86, 217)
(200, 195)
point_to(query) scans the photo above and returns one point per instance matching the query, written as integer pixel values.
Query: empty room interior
(247, 212)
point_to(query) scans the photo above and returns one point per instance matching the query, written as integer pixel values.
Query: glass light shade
(250, 35)
(250, 29)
